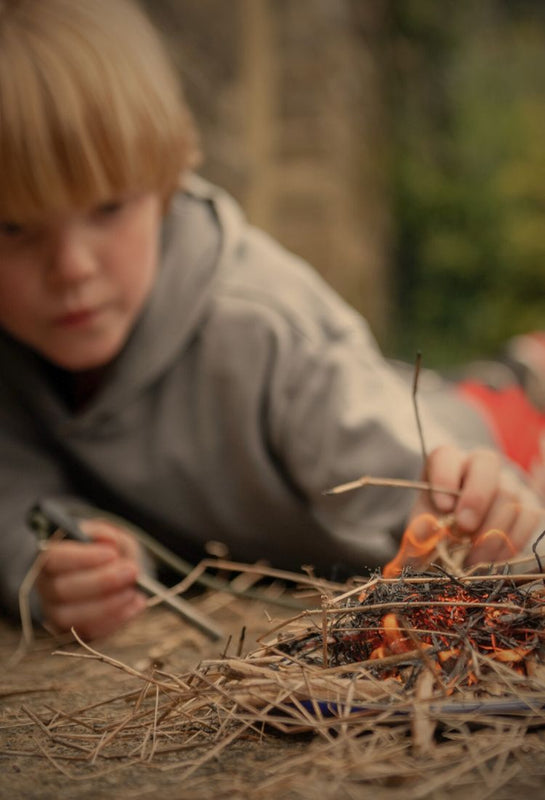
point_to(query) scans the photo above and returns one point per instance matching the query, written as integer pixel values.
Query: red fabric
(516, 424)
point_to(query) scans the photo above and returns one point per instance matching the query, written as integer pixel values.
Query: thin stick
(241, 641)
(36, 720)
(534, 550)
(320, 584)
(27, 630)
(386, 661)
(366, 587)
(526, 577)
(417, 366)
(416, 604)
(325, 654)
(425, 486)
(400, 483)
(95, 655)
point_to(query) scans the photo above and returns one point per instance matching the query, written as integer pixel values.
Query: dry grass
(398, 723)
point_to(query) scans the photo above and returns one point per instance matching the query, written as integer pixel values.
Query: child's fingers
(494, 506)
(106, 532)
(445, 467)
(474, 475)
(99, 617)
(84, 584)
(90, 586)
(490, 547)
(503, 516)
(66, 556)
(480, 485)
(109, 623)
(513, 505)
(509, 533)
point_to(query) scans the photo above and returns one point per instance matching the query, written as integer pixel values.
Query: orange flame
(418, 543)
(395, 640)
(422, 537)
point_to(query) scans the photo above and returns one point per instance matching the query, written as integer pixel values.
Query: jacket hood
(193, 242)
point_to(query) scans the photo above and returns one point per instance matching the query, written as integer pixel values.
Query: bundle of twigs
(439, 676)
(426, 618)
(468, 639)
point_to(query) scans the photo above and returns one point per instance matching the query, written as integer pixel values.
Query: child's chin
(82, 360)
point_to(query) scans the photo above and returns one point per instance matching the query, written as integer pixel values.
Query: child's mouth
(77, 319)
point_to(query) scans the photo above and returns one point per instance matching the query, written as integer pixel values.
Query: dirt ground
(42, 683)
(42, 679)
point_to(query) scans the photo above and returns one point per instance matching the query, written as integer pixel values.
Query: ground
(40, 683)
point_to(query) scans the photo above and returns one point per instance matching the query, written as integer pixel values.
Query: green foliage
(469, 174)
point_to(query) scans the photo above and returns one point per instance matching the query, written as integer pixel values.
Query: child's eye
(108, 209)
(11, 230)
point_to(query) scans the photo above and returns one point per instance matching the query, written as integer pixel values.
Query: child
(165, 362)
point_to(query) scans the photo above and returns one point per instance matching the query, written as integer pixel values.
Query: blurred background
(398, 145)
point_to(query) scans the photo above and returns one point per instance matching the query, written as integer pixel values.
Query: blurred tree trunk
(290, 99)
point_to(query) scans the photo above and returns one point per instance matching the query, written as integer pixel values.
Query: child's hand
(91, 587)
(491, 497)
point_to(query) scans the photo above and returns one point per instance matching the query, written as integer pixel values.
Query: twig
(417, 367)
(400, 483)
(420, 604)
(241, 641)
(36, 720)
(536, 554)
(325, 654)
(96, 656)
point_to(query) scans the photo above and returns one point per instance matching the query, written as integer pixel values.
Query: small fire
(424, 535)
(444, 621)
(456, 625)
(443, 627)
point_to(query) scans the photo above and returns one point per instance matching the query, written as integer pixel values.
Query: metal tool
(47, 516)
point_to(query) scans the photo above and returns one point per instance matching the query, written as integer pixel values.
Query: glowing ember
(456, 627)
(444, 622)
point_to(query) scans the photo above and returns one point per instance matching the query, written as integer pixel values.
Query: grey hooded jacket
(247, 388)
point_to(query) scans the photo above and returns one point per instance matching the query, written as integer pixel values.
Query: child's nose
(71, 258)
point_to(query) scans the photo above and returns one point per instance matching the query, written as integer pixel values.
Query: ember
(398, 625)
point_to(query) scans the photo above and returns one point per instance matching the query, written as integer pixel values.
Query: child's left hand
(492, 496)
(91, 586)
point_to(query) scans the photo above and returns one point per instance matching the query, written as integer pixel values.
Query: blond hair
(90, 107)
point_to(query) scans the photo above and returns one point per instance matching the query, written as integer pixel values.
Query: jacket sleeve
(327, 405)
(27, 473)
(343, 413)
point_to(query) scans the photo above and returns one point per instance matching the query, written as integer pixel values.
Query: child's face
(72, 286)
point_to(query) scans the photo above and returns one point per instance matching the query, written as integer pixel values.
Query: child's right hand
(492, 497)
(91, 587)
